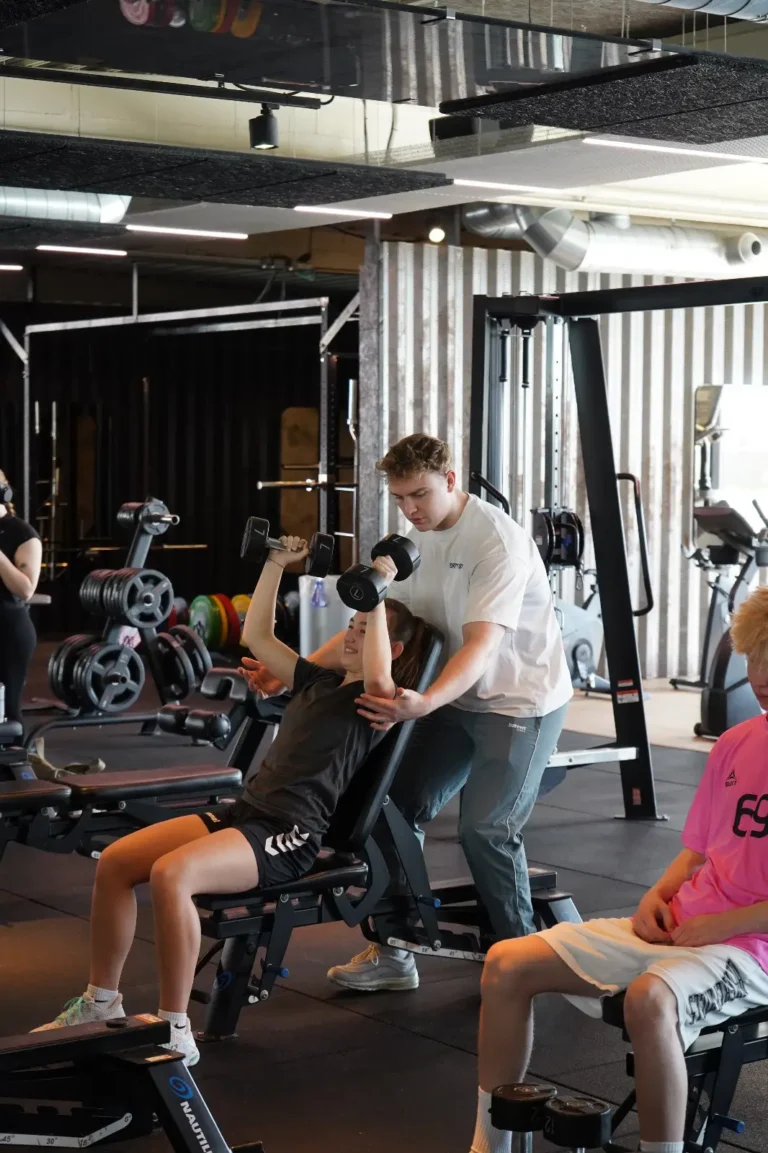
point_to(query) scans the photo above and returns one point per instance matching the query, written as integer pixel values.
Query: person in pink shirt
(694, 954)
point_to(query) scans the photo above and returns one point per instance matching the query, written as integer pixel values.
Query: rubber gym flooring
(319, 1069)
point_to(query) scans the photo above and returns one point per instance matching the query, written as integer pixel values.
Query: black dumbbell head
(403, 552)
(361, 588)
(577, 1122)
(519, 1108)
(318, 563)
(255, 537)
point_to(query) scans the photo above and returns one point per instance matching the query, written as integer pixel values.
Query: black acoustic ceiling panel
(14, 11)
(162, 172)
(700, 99)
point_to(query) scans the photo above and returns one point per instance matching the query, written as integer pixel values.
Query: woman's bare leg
(123, 865)
(222, 863)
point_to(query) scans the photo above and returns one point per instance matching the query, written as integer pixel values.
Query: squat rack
(579, 311)
(302, 312)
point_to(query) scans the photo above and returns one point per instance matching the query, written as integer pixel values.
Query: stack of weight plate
(239, 18)
(218, 620)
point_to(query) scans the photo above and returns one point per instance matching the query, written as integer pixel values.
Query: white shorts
(711, 983)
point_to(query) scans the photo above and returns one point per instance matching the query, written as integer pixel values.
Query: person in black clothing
(20, 556)
(274, 831)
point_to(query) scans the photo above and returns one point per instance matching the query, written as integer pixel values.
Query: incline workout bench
(714, 1062)
(117, 1082)
(349, 883)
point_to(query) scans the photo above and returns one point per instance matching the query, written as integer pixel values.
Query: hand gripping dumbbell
(258, 544)
(362, 587)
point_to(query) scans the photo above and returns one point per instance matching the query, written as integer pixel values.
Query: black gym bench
(117, 1082)
(349, 883)
(714, 1062)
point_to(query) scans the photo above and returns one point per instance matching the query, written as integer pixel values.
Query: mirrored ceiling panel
(376, 51)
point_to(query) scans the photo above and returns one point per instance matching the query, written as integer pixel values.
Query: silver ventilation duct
(738, 9)
(77, 207)
(613, 244)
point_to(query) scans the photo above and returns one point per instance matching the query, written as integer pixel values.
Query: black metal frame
(579, 310)
(116, 1077)
(713, 1073)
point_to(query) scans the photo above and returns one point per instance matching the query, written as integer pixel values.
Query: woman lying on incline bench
(273, 832)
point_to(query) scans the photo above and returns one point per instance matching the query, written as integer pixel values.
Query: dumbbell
(362, 587)
(258, 544)
(575, 1123)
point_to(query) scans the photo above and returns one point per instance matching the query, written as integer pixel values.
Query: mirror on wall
(731, 455)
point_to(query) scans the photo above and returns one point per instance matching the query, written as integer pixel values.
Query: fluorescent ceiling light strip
(491, 184)
(673, 149)
(81, 251)
(11, 267)
(353, 212)
(187, 232)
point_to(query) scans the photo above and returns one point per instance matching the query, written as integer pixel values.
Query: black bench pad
(613, 1014)
(80, 1042)
(331, 875)
(127, 785)
(31, 796)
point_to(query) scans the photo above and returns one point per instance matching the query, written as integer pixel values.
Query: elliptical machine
(726, 695)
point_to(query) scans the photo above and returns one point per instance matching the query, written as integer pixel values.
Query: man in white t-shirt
(492, 718)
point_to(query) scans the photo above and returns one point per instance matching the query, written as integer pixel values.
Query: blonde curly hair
(749, 629)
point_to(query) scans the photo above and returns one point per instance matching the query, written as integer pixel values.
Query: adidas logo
(285, 842)
(730, 779)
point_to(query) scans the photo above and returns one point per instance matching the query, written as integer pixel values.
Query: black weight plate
(403, 552)
(178, 673)
(145, 598)
(519, 1108)
(61, 665)
(577, 1122)
(109, 677)
(194, 647)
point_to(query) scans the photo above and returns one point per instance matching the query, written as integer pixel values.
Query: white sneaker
(372, 970)
(83, 1011)
(183, 1041)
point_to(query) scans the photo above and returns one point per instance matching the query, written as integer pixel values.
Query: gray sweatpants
(498, 761)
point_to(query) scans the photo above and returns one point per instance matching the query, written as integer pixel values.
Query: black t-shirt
(320, 745)
(13, 532)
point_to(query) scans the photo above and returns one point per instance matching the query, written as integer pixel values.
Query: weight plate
(233, 620)
(240, 605)
(229, 11)
(203, 14)
(91, 591)
(178, 673)
(61, 665)
(109, 678)
(135, 11)
(162, 13)
(204, 619)
(143, 598)
(195, 650)
(247, 20)
(223, 623)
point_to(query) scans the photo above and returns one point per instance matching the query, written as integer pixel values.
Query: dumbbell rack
(150, 518)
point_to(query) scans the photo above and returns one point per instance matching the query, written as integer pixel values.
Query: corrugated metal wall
(654, 362)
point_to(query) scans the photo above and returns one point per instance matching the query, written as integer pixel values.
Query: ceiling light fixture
(436, 234)
(676, 150)
(11, 267)
(264, 131)
(493, 185)
(201, 232)
(81, 251)
(355, 213)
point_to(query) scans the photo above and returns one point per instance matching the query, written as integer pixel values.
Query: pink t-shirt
(728, 824)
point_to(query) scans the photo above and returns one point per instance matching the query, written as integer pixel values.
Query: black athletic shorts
(282, 853)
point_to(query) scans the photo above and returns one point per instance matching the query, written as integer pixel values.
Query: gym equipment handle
(478, 478)
(260, 484)
(639, 514)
